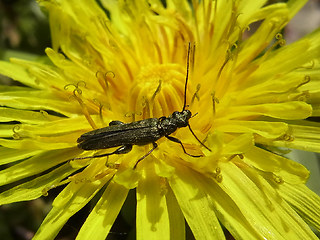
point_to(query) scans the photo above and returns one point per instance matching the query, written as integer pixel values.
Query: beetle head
(182, 118)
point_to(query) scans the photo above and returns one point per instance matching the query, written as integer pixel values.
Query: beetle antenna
(187, 76)
(198, 138)
(194, 115)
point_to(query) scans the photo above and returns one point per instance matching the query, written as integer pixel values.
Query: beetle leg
(121, 150)
(173, 139)
(115, 123)
(155, 145)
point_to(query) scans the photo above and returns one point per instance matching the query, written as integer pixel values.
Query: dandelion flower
(126, 61)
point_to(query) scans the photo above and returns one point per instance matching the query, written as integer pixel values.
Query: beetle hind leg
(121, 150)
(155, 145)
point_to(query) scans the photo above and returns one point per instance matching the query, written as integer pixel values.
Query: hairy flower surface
(127, 60)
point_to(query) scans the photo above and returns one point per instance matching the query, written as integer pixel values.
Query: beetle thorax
(175, 121)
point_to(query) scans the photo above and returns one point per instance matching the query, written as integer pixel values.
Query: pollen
(158, 90)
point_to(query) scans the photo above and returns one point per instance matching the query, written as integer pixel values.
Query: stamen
(103, 81)
(236, 155)
(44, 113)
(45, 191)
(16, 135)
(306, 80)
(303, 96)
(307, 67)
(286, 137)
(111, 169)
(228, 57)
(96, 101)
(157, 90)
(217, 175)
(158, 53)
(145, 108)
(112, 165)
(277, 179)
(76, 86)
(196, 94)
(279, 43)
(214, 101)
(219, 178)
(132, 115)
(83, 106)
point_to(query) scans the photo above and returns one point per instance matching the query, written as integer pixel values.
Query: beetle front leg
(173, 139)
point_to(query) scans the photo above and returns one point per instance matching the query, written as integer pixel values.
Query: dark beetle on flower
(141, 132)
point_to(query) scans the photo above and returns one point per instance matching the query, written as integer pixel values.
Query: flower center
(157, 90)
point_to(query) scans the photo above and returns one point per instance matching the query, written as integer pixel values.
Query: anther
(15, 134)
(214, 101)
(44, 113)
(157, 90)
(277, 179)
(77, 91)
(196, 94)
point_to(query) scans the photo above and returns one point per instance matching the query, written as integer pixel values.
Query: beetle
(125, 135)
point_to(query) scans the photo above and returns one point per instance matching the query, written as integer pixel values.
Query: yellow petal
(278, 167)
(176, 219)
(45, 76)
(74, 197)
(34, 165)
(262, 128)
(261, 206)
(37, 100)
(261, 38)
(32, 117)
(196, 206)
(38, 143)
(152, 213)
(240, 144)
(303, 137)
(259, 13)
(304, 201)
(103, 215)
(36, 187)
(249, 8)
(291, 56)
(272, 89)
(18, 73)
(9, 155)
(62, 126)
(286, 110)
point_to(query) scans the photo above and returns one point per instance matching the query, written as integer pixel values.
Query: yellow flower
(126, 61)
